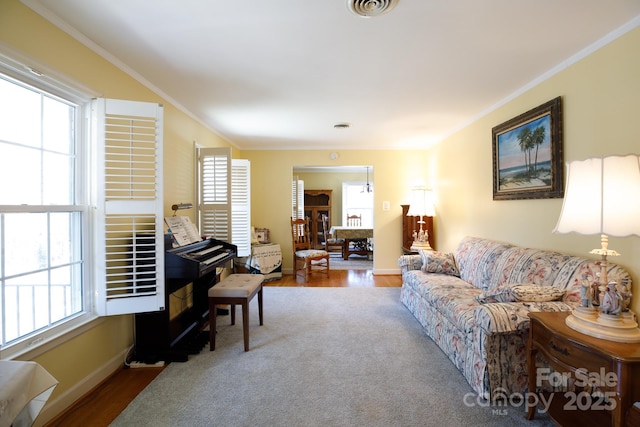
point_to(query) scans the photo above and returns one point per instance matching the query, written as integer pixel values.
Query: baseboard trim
(57, 406)
(378, 272)
(389, 272)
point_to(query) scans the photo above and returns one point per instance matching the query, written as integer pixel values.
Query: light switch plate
(386, 205)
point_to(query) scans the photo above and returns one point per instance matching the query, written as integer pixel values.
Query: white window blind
(297, 198)
(215, 193)
(129, 228)
(240, 206)
(225, 197)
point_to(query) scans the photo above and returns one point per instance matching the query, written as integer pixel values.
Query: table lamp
(421, 205)
(603, 198)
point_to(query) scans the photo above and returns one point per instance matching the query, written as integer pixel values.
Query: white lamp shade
(602, 196)
(421, 203)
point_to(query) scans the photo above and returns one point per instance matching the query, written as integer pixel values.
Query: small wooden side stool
(235, 289)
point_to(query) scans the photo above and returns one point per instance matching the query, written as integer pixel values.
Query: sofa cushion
(505, 318)
(456, 303)
(409, 262)
(438, 263)
(550, 269)
(536, 293)
(476, 259)
(520, 292)
(452, 297)
(535, 266)
(423, 284)
(496, 295)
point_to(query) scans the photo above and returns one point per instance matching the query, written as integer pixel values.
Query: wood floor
(342, 279)
(103, 404)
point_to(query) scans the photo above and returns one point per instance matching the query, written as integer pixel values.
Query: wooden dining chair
(356, 244)
(354, 220)
(306, 260)
(330, 242)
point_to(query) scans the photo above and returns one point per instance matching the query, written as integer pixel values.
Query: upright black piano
(158, 337)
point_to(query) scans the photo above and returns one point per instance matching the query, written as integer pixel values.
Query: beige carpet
(325, 357)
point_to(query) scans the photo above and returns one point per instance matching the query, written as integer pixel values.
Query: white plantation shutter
(224, 198)
(215, 192)
(240, 206)
(297, 198)
(129, 241)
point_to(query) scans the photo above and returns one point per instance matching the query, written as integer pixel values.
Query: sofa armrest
(507, 317)
(409, 262)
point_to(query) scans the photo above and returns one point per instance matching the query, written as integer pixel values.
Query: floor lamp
(421, 206)
(603, 198)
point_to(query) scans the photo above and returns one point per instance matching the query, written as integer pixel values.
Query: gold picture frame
(528, 155)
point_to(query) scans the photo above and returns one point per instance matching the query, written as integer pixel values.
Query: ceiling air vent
(370, 8)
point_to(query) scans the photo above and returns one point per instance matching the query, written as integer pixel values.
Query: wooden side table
(410, 224)
(610, 367)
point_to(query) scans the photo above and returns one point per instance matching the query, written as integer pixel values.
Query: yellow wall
(393, 174)
(601, 96)
(601, 102)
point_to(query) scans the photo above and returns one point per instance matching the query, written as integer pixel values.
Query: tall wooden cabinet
(316, 204)
(410, 224)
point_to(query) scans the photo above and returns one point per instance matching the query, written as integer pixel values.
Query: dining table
(350, 235)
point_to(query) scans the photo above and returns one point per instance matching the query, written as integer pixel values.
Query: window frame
(231, 179)
(27, 72)
(347, 209)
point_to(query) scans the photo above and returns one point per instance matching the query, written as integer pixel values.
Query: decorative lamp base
(589, 321)
(416, 246)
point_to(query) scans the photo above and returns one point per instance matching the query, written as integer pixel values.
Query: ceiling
(280, 74)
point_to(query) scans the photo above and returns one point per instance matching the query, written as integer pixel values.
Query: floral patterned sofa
(474, 304)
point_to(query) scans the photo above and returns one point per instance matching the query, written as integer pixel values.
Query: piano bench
(235, 289)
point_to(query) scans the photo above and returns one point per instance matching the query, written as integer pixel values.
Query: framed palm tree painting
(527, 155)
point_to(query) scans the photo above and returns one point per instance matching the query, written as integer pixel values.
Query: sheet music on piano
(182, 230)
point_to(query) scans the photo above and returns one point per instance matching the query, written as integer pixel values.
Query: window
(297, 198)
(224, 200)
(214, 200)
(241, 205)
(357, 201)
(81, 215)
(43, 212)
